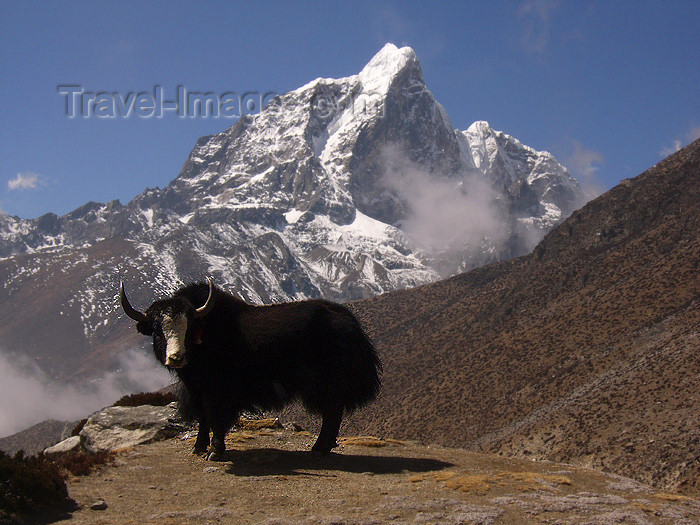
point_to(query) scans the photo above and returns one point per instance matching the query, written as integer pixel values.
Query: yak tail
(366, 383)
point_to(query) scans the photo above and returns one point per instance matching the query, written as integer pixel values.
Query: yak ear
(145, 328)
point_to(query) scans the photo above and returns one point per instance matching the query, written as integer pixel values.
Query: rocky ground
(270, 477)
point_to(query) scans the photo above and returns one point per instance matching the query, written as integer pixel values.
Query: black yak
(232, 356)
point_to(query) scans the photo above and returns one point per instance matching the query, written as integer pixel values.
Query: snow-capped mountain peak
(342, 188)
(376, 77)
(514, 163)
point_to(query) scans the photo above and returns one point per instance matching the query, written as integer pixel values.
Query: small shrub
(77, 428)
(80, 463)
(29, 485)
(146, 398)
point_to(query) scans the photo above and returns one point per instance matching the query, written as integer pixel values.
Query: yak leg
(329, 431)
(202, 442)
(217, 452)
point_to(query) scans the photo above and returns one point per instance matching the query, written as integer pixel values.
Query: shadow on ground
(61, 513)
(270, 461)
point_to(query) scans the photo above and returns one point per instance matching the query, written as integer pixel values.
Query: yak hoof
(199, 451)
(320, 448)
(215, 455)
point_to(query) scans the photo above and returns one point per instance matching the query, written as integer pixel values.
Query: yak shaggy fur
(244, 357)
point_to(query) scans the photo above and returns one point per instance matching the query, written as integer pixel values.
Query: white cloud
(25, 181)
(28, 396)
(390, 25)
(445, 213)
(691, 136)
(669, 150)
(584, 165)
(536, 20)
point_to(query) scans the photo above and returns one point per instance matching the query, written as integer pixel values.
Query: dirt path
(272, 479)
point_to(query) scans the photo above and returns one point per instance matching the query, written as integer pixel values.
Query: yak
(232, 356)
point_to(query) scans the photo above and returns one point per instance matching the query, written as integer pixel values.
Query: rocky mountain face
(584, 351)
(344, 188)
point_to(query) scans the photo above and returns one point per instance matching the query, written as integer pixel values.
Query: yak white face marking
(174, 330)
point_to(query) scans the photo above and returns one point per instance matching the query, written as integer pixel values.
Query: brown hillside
(585, 351)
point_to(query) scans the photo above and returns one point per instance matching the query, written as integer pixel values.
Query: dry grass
(646, 507)
(239, 437)
(441, 475)
(667, 496)
(481, 483)
(527, 481)
(257, 424)
(364, 441)
(474, 483)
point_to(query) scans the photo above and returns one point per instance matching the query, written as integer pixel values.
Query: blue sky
(609, 87)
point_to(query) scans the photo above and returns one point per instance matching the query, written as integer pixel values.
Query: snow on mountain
(514, 165)
(343, 188)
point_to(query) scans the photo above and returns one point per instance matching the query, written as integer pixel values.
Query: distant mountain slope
(37, 437)
(585, 351)
(344, 188)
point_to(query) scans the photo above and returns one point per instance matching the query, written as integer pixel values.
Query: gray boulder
(121, 427)
(73, 443)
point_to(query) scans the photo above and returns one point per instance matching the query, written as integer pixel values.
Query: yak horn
(128, 309)
(204, 310)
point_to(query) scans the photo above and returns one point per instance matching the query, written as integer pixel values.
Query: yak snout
(174, 330)
(175, 361)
